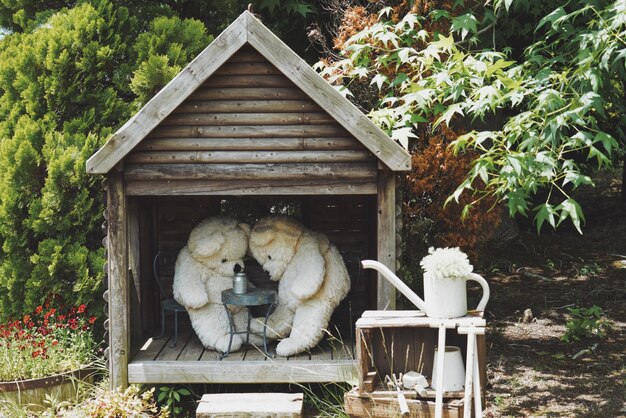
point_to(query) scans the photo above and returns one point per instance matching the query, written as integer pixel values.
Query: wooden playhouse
(246, 124)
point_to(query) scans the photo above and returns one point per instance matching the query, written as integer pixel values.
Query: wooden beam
(257, 172)
(249, 131)
(270, 371)
(245, 157)
(298, 71)
(261, 119)
(249, 144)
(168, 99)
(252, 80)
(386, 233)
(248, 68)
(247, 93)
(134, 265)
(119, 332)
(247, 106)
(252, 187)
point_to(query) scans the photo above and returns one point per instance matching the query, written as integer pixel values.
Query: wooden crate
(385, 404)
(400, 341)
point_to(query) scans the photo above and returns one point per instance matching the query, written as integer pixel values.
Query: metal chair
(168, 303)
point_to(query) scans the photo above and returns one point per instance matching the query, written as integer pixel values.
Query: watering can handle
(486, 292)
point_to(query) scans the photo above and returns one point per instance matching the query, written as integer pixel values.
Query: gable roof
(246, 29)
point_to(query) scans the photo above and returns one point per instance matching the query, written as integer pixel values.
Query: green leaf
(570, 208)
(184, 392)
(546, 212)
(465, 24)
(498, 65)
(379, 80)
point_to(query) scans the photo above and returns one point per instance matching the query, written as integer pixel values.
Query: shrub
(585, 323)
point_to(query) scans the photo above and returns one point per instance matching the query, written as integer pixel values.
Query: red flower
(26, 318)
(39, 309)
(92, 319)
(81, 308)
(61, 317)
(55, 342)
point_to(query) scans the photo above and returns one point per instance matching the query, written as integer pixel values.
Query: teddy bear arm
(309, 269)
(189, 289)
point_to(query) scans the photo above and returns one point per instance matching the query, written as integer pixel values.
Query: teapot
(444, 298)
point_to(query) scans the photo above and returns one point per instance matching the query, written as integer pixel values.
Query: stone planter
(34, 392)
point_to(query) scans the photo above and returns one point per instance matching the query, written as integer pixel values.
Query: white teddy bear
(204, 268)
(312, 276)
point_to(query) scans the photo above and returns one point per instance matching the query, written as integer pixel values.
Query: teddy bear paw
(287, 347)
(222, 343)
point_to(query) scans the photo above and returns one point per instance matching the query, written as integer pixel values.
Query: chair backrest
(156, 268)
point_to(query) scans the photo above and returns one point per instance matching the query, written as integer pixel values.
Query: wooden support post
(118, 281)
(134, 265)
(386, 234)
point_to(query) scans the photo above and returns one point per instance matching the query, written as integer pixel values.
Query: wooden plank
(247, 106)
(168, 98)
(298, 71)
(134, 263)
(270, 371)
(419, 321)
(242, 157)
(210, 355)
(250, 144)
(386, 233)
(246, 93)
(248, 68)
(250, 405)
(254, 353)
(248, 131)
(386, 405)
(225, 81)
(151, 349)
(252, 187)
(151, 172)
(247, 54)
(244, 119)
(193, 350)
(171, 353)
(119, 298)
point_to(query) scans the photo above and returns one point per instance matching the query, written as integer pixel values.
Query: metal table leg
(232, 331)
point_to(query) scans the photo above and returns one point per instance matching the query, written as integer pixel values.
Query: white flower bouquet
(446, 263)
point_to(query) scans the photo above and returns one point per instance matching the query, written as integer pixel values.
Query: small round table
(253, 297)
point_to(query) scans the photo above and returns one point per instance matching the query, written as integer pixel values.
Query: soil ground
(532, 372)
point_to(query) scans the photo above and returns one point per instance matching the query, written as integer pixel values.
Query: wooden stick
(441, 351)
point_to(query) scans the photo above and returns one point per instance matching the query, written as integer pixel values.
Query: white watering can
(445, 298)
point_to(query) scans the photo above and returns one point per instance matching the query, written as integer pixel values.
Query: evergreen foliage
(65, 86)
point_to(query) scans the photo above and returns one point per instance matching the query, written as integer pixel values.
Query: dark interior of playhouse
(349, 221)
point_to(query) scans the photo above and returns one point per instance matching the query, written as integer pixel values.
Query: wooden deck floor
(190, 362)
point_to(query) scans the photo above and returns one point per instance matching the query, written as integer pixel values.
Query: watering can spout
(396, 282)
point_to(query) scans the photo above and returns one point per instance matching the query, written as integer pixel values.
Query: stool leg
(478, 405)
(469, 373)
(441, 350)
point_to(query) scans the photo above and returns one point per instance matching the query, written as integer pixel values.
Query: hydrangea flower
(446, 263)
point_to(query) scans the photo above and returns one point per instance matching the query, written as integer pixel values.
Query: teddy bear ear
(261, 235)
(207, 246)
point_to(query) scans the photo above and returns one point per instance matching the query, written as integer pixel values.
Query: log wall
(249, 128)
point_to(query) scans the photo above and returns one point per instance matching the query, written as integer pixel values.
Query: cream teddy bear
(204, 268)
(312, 276)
